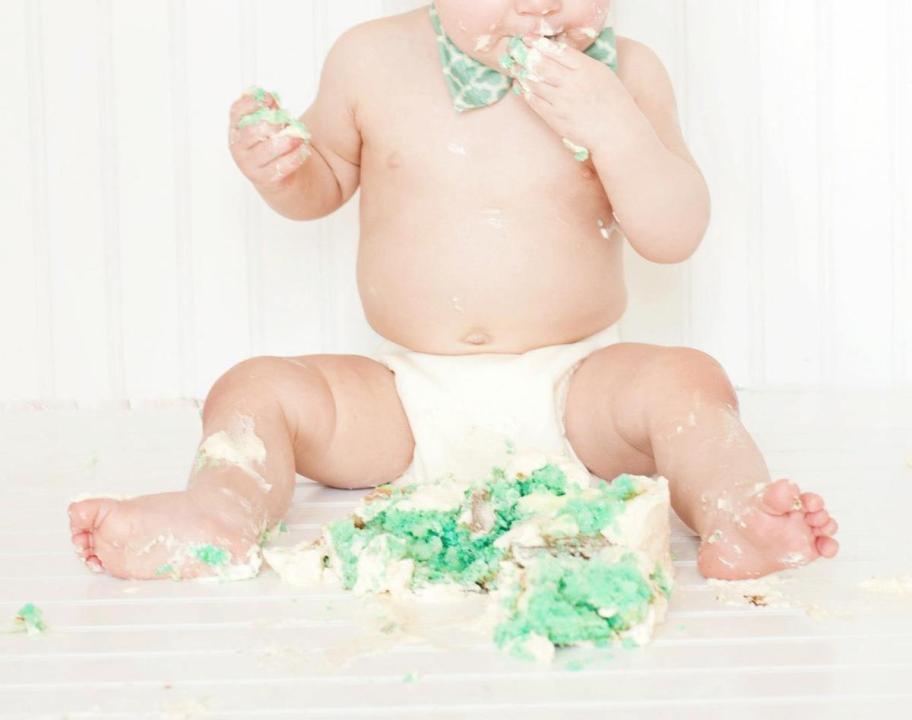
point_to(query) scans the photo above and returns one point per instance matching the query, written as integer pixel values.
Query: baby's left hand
(579, 97)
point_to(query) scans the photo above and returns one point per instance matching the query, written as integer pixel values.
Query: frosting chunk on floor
(562, 558)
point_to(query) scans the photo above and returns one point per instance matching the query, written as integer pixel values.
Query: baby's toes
(826, 546)
(82, 543)
(811, 502)
(829, 529)
(780, 497)
(87, 515)
(86, 518)
(817, 519)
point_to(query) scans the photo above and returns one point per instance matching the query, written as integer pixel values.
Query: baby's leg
(646, 409)
(336, 419)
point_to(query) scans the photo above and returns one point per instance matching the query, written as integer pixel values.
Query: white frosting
(441, 496)
(524, 534)
(484, 42)
(546, 45)
(539, 647)
(900, 585)
(294, 131)
(542, 503)
(250, 568)
(99, 496)
(545, 28)
(301, 565)
(642, 632)
(241, 447)
(641, 529)
(379, 571)
(644, 525)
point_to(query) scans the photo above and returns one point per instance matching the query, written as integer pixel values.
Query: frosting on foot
(774, 528)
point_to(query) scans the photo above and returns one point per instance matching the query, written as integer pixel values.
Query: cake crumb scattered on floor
(897, 585)
(187, 709)
(30, 620)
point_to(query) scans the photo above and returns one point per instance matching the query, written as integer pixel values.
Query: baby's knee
(283, 384)
(677, 371)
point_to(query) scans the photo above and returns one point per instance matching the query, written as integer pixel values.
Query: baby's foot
(169, 535)
(774, 529)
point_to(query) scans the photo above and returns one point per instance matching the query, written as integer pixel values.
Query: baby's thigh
(372, 441)
(603, 409)
(349, 428)
(621, 394)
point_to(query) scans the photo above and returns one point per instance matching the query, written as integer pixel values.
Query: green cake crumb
(277, 116)
(661, 580)
(577, 588)
(410, 677)
(575, 665)
(571, 600)
(549, 546)
(260, 94)
(444, 549)
(211, 555)
(267, 534)
(166, 569)
(30, 620)
(580, 154)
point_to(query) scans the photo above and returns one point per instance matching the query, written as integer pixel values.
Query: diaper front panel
(470, 413)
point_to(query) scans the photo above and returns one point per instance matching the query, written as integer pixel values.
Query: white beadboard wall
(136, 264)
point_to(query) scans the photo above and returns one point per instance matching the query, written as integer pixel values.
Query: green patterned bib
(474, 85)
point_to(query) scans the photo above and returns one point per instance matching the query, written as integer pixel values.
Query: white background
(137, 265)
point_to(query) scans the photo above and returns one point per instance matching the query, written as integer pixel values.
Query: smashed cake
(565, 558)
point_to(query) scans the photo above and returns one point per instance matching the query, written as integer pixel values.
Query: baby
(505, 151)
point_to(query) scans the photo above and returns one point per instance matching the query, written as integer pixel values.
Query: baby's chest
(504, 150)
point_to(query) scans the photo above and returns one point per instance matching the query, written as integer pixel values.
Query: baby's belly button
(477, 337)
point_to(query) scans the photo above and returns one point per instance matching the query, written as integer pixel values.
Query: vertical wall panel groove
(44, 315)
(899, 120)
(755, 237)
(687, 285)
(657, 307)
(109, 182)
(320, 20)
(252, 204)
(861, 253)
(183, 198)
(215, 74)
(825, 169)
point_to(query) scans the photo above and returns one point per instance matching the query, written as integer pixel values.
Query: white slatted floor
(116, 649)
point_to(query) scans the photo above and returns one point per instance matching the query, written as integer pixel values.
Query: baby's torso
(479, 230)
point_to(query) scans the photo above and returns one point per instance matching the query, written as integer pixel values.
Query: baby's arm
(628, 123)
(301, 185)
(659, 194)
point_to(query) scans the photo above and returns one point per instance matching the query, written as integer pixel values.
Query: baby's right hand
(267, 158)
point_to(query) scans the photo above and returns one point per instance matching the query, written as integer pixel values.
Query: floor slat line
(461, 676)
(480, 647)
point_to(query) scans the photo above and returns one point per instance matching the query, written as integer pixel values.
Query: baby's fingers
(250, 102)
(273, 148)
(275, 173)
(243, 110)
(250, 136)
